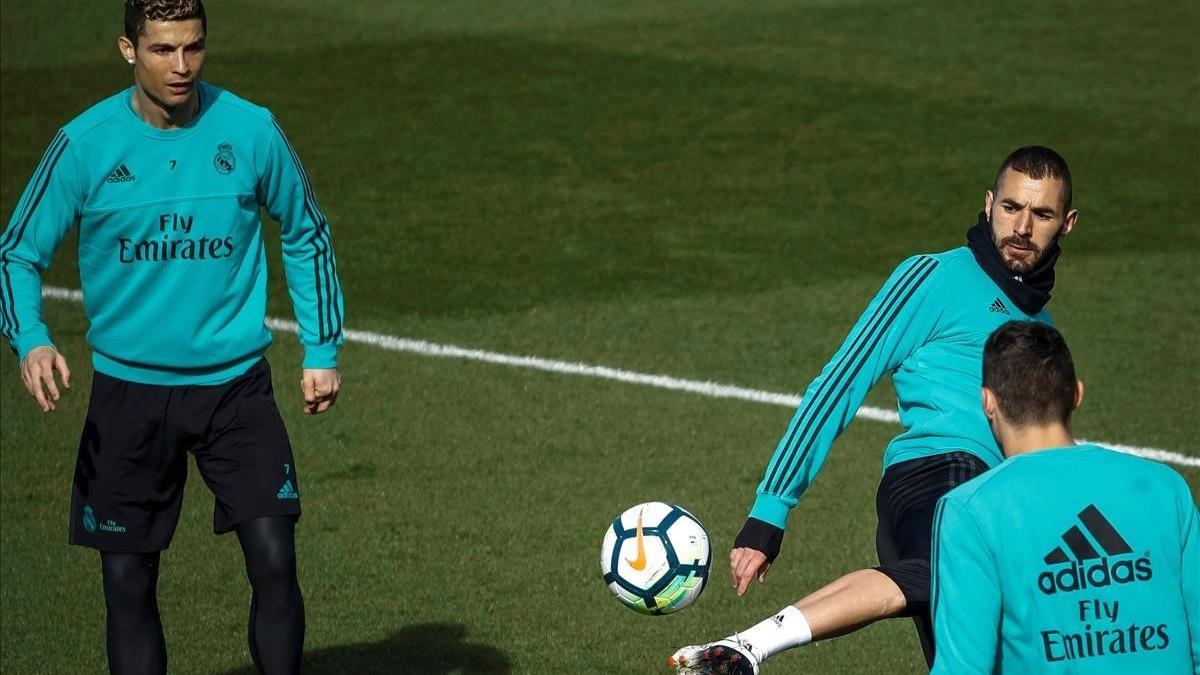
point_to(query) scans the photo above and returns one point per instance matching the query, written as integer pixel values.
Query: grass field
(705, 190)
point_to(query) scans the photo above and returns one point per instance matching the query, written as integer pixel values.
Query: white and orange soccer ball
(655, 558)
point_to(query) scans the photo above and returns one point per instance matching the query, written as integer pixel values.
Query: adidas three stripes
(926, 327)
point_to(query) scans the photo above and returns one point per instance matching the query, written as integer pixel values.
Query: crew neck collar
(136, 121)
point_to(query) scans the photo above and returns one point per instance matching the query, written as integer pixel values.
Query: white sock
(788, 628)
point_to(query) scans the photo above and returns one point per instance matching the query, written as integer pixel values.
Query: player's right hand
(745, 564)
(37, 372)
(320, 387)
(754, 549)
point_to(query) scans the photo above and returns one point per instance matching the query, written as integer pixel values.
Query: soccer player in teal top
(165, 181)
(1065, 558)
(926, 327)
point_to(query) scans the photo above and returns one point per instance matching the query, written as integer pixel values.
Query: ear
(988, 199)
(127, 49)
(991, 409)
(1069, 223)
(1078, 394)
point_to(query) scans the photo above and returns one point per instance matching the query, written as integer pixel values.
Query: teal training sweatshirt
(171, 257)
(1070, 560)
(927, 327)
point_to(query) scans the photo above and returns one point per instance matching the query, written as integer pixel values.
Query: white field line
(711, 389)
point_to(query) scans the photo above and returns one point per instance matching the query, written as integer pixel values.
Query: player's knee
(270, 552)
(276, 589)
(910, 594)
(271, 565)
(129, 580)
(898, 605)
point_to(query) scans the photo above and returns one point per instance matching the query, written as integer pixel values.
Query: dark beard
(1030, 290)
(1021, 267)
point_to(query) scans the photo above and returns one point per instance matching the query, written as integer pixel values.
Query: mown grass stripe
(710, 389)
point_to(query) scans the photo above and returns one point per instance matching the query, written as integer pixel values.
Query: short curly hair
(138, 12)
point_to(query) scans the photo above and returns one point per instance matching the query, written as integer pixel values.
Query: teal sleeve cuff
(31, 339)
(772, 509)
(320, 356)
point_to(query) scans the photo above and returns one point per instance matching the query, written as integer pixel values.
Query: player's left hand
(320, 387)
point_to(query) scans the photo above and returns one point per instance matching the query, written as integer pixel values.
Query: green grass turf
(707, 191)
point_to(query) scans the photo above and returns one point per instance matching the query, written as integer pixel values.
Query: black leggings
(276, 627)
(133, 628)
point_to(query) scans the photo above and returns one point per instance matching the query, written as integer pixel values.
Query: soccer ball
(655, 558)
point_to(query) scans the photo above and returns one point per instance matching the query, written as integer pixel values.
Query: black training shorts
(132, 462)
(905, 504)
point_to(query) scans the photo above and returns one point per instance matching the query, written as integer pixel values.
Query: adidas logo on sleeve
(121, 174)
(1088, 568)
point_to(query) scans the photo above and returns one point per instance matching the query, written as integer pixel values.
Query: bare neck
(160, 116)
(1019, 441)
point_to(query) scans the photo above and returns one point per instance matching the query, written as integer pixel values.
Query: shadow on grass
(425, 649)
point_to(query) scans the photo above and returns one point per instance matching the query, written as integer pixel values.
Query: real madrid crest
(224, 162)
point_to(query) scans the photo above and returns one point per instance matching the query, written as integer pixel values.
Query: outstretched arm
(898, 320)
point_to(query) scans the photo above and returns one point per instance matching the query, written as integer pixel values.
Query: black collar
(1031, 291)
